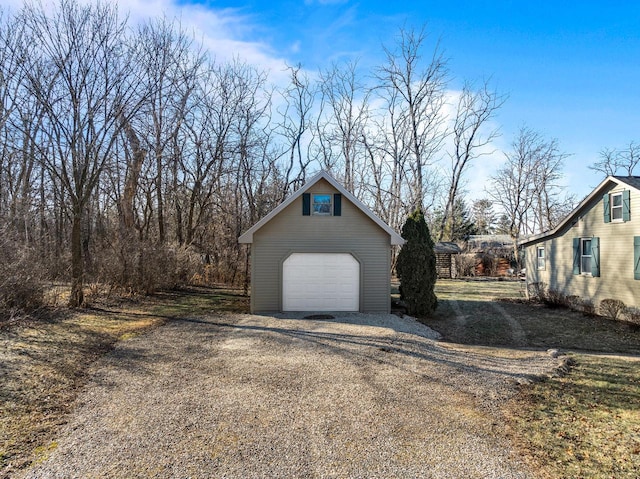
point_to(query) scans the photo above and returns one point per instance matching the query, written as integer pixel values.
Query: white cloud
(225, 33)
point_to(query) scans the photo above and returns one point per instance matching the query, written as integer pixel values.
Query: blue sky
(571, 69)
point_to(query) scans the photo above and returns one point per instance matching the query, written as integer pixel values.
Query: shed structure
(446, 252)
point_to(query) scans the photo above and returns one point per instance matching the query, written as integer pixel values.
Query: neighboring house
(445, 252)
(594, 253)
(493, 254)
(496, 244)
(321, 250)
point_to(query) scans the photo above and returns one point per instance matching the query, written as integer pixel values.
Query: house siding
(290, 232)
(616, 278)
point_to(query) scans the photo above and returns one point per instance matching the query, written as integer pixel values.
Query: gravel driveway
(244, 396)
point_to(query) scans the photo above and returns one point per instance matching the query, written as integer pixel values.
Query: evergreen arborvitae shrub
(416, 267)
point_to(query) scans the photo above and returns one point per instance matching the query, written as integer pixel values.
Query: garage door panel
(321, 282)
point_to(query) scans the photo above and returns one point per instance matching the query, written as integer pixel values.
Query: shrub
(574, 302)
(550, 297)
(21, 289)
(555, 299)
(416, 266)
(465, 265)
(588, 308)
(143, 267)
(536, 291)
(612, 308)
(633, 315)
(21, 292)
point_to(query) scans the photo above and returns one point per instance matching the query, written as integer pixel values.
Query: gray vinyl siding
(616, 278)
(291, 232)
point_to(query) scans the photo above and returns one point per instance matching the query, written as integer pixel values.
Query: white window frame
(618, 208)
(585, 257)
(541, 259)
(315, 211)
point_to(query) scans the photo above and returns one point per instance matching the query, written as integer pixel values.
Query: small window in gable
(616, 207)
(541, 255)
(322, 205)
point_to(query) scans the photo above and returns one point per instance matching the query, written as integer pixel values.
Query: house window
(616, 207)
(585, 255)
(322, 205)
(541, 257)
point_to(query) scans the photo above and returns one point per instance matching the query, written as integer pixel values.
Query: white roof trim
(577, 210)
(247, 237)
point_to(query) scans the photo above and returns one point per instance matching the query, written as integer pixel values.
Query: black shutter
(306, 204)
(337, 204)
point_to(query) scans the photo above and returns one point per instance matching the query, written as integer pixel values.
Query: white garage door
(320, 282)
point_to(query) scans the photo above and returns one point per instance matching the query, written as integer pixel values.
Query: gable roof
(608, 183)
(446, 247)
(633, 181)
(247, 237)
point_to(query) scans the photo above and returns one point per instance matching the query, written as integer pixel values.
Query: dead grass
(43, 362)
(479, 289)
(543, 327)
(585, 424)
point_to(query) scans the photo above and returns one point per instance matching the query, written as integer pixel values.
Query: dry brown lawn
(43, 361)
(585, 424)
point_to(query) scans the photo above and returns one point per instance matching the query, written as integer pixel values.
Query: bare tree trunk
(159, 197)
(76, 298)
(133, 170)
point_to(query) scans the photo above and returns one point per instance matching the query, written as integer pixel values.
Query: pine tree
(462, 225)
(416, 267)
(483, 216)
(457, 227)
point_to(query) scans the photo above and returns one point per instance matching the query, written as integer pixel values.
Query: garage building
(321, 250)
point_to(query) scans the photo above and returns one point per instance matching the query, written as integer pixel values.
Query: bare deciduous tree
(79, 74)
(418, 89)
(171, 66)
(618, 161)
(525, 187)
(348, 105)
(471, 134)
(295, 122)
(131, 156)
